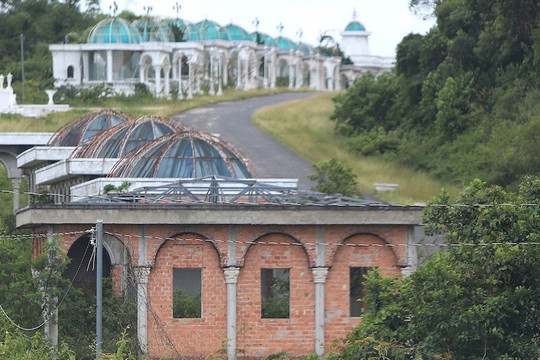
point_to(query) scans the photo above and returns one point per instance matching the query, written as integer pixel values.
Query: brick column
(231, 279)
(141, 275)
(319, 278)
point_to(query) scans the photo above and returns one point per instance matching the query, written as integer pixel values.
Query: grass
(131, 106)
(305, 127)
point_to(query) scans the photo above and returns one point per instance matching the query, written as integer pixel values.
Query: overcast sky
(387, 20)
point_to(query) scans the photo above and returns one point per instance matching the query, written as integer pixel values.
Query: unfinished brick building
(249, 265)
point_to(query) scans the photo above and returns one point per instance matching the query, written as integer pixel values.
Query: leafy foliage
(333, 177)
(458, 93)
(479, 299)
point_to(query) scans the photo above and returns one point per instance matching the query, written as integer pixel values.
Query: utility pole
(22, 66)
(99, 288)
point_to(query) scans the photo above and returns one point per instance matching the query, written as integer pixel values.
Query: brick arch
(276, 237)
(197, 235)
(338, 319)
(189, 336)
(371, 240)
(294, 335)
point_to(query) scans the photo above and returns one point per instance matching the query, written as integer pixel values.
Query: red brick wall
(337, 319)
(168, 336)
(266, 336)
(190, 337)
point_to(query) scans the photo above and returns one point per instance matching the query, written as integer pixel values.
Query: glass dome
(203, 30)
(151, 30)
(187, 154)
(113, 31)
(78, 131)
(127, 136)
(233, 32)
(355, 26)
(284, 43)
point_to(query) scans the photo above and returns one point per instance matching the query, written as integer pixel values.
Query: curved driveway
(232, 121)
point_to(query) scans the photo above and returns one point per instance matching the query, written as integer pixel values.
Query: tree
(480, 299)
(333, 177)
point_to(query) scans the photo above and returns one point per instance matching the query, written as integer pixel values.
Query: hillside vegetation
(463, 101)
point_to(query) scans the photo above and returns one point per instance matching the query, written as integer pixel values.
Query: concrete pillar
(51, 327)
(238, 72)
(180, 90)
(189, 95)
(141, 275)
(211, 76)
(157, 71)
(16, 184)
(291, 74)
(319, 278)
(231, 279)
(109, 66)
(167, 81)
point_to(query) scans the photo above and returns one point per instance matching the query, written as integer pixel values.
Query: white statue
(9, 78)
(1, 81)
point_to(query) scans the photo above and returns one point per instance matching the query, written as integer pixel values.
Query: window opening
(275, 293)
(70, 72)
(187, 285)
(357, 289)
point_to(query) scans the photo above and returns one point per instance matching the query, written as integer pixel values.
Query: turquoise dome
(284, 43)
(233, 32)
(355, 26)
(114, 31)
(151, 30)
(203, 30)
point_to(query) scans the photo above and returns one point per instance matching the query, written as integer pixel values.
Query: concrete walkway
(232, 120)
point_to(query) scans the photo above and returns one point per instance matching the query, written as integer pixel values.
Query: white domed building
(205, 55)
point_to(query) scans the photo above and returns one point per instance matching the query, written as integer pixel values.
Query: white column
(141, 275)
(238, 72)
(157, 72)
(291, 73)
(167, 85)
(319, 278)
(246, 84)
(231, 279)
(109, 66)
(220, 76)
(180, 90)
(211, 76)
(299, 76)
(190, 82)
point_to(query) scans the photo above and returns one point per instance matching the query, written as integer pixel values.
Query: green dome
(355, 26)
(284, 43)
(233, 32)
(203, 30)
(114, 31)
(151, 30)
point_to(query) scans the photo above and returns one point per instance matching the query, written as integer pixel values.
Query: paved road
(232, 120)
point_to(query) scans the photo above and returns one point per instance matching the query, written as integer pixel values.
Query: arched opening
(82, 267)
(70, 72)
